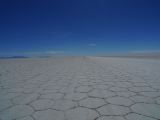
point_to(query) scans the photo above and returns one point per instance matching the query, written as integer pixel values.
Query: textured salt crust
(79, 88)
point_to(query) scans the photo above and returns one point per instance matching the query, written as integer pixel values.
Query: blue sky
(79, 27)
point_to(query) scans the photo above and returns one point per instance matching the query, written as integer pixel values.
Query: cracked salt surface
(79, 88)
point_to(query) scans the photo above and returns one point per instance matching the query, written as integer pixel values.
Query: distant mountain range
(137, 55)
(11, 57)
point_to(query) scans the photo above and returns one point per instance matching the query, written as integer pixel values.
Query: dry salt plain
(79, 88)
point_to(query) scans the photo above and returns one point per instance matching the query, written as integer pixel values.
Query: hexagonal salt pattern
(134, 116)
(101, 93)
(113, 110)
(42, 104)
(151, 110)
(83, 89)
(15, 112)
(120, 101)
(25, 99)
(49, 115)
(81, 114)
(92, 102)
(79, 88)
(64, 105)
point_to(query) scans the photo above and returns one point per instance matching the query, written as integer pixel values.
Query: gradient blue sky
(79, 27)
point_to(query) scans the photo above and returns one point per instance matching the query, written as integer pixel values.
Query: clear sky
(79, 27)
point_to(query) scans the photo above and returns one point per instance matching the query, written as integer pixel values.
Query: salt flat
(79, 88)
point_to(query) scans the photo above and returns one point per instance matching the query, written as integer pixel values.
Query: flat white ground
(79, 88)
